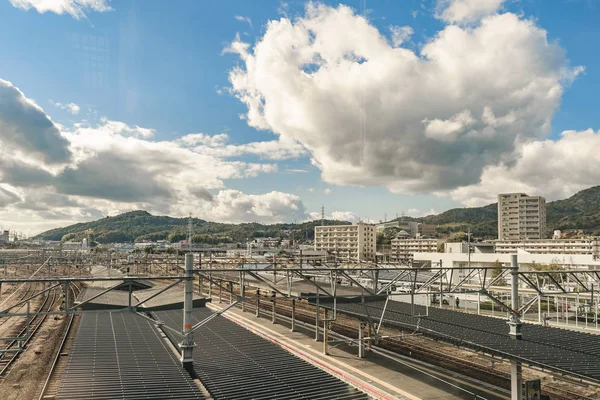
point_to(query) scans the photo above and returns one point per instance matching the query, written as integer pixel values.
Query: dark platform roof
(123, 356)
(560, 350)
(234, 363)
(171, 299)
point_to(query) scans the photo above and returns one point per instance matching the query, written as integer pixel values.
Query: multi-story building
(586, 246)
(521, 217)
(402, 246)
(352, 242)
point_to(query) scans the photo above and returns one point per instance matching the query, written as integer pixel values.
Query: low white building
(460, 258)
(402, 245)
(586, 246)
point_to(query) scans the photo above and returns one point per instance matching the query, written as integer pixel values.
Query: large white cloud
(26, 131)
(58, 174)
(76, 8)
(464, 11)
(555, 169)
(374, 114)
(235, 206)
(218, 146)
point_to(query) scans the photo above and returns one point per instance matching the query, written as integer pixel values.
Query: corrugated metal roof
(234, 363)
(123, 356)
(552, 348)
(171, 299)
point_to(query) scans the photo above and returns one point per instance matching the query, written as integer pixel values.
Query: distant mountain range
(580, 211)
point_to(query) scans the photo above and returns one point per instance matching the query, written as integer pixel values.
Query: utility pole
(187, 344)
(516, 373)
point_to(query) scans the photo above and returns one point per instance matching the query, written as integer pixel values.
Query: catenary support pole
(369, 335)
(187, 343)
(515, 320)
(317, 318)
(515, 332)
(257, 303)
(273, 309)
(220, 289)
(516, 378)
(243, 291)
(293, 315)
(325, 333)
(361, 345)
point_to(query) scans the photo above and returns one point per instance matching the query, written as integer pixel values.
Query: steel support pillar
(317, 318)
(274, 310)
(325, 333)
(369, 335)
(293, 315)
(220, 289)
(257, 303)
(361, 344)
(230, 292)
(516, 381)
(243, 291)
(187, 344)
(515, 320)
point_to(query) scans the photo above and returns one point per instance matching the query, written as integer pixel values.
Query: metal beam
(96, 296)
(157, 293)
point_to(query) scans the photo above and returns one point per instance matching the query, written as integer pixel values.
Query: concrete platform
(380, 377)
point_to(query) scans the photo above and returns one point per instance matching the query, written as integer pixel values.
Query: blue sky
(162, 66)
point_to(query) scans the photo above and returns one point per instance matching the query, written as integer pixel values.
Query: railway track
(11, 350)
(59, 362)
(29, 290)
(426, 353)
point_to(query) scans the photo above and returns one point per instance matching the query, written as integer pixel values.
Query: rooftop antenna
(189, 238)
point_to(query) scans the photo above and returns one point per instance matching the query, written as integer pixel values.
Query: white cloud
(335, 215)
(26, 132)
(447, 130)
(327, 191)
(244, 19)
(100, 169)
(372, 114)
(416, 212)
(400, 34)
(235, 206)
(70, 107)
(554, 169)
(296, 170)
(76, 8)
(217, 146)
(465, 11)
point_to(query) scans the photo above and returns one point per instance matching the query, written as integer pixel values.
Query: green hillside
(580, 211)
(139, 226)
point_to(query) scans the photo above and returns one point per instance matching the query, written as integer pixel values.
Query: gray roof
(234, 363)
(122, 356)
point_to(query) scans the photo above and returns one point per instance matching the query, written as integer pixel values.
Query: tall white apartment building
(521, 217)
(352, 242)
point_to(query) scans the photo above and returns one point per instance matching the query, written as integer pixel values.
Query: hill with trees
(141, 226)
(579, 212)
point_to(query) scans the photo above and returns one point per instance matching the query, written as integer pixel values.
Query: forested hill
(140, 226)
(580, 211)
